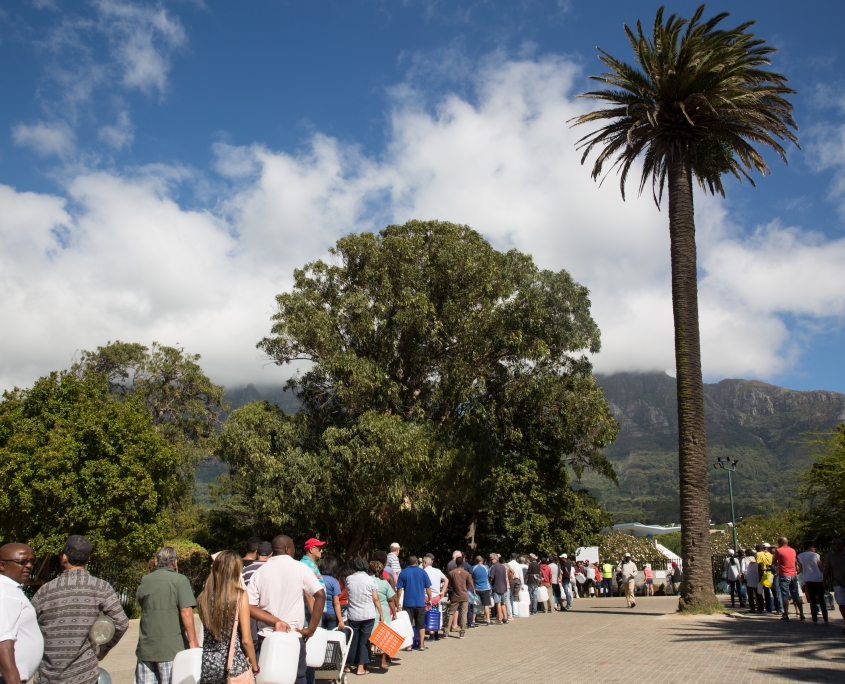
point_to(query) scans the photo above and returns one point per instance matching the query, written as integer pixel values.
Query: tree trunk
(697, 585)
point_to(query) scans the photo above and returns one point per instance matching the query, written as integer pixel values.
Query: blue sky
(165, 165)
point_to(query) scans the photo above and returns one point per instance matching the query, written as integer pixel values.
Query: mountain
(763, 426)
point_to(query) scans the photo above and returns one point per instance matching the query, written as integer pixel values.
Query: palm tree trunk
(697, 584)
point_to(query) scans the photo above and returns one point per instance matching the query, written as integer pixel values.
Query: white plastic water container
(542, 594)
(315, 648)
(402, 626)
(523, 609)
(279, 659)
(523, 596)
(187, 667)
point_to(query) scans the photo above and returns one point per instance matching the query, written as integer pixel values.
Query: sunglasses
(26, 561)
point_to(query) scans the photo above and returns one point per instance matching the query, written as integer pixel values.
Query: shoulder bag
(246, 677)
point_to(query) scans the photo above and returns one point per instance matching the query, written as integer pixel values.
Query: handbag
(768, 576)
(246, 677)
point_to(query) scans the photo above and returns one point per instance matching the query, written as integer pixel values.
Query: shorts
(499, 598)
(417, 615)
(650, 580)
(484, 595)
(839, 595)
(789, 588)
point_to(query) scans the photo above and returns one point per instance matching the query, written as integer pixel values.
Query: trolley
(336, 652)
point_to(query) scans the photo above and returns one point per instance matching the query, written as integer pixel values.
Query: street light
(728, 464)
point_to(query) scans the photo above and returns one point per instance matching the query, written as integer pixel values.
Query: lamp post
(728, 464)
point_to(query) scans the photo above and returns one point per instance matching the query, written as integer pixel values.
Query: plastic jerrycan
(524, 596)
(315, 648)
(523, 609)
(279, 659)
(187, 667)
(542, 594)
(402, 626)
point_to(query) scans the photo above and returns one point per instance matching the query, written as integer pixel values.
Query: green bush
(194, 562)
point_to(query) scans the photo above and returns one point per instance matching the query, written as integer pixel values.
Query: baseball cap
(311, 543)
(78, 549)
(563, 555)
(265, 548)
(532, 556)
(627, 555)
(730, 552)
(514, 555)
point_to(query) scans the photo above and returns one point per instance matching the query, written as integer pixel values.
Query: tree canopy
(74, 460)
(446, 380)
(824, 485)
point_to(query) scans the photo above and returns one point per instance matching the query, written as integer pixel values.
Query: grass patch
(712, 609)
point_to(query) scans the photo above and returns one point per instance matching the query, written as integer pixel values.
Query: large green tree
(437, 368)
(824, 485)
(75, 460)
(185, 407)
(694, 107)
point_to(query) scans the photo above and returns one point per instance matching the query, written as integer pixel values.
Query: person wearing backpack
(733, 576)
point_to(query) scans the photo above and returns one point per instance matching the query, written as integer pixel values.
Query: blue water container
(432, 620)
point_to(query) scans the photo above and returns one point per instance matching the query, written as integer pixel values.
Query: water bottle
(828, 599)
(105, 677)
(101, 632)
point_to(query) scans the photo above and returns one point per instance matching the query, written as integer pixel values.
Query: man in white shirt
(393, 560)
(629, 576)
(275, 597)
(514, 565)
(21, 641)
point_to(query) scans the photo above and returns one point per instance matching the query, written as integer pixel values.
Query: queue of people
(245, 599)
(768, 579)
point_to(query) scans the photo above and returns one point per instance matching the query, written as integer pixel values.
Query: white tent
(671, 555)
(639, 530)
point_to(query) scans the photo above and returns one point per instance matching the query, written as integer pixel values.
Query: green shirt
(161, 595)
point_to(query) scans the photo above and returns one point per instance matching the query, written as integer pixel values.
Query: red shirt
(546, 572)
(785, 556)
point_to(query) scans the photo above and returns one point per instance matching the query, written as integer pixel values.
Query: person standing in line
(461, 582)
(223, 608)
(778, 605)
(533, 577)
(393, 560)
(21, 642)
(265, 551)
(516, 581)
(834, 573)
(785, 558)
(439, 587)
(451, 565)
(606, 579)
(733, 575)
(752, 582)
(364, 609)
(251, 550)
(764, 568)
(810, 564)
(480, 579)
(565, 580)
(674, 578)
(499, 584)
(167, 619)
(388, 599)
(555, 568)
(414, 587)
(66, 608)
(387, 573)
(313, 553)
(332, 616)
(546, 581)
(648, 587)
(629, 577)
(275, 598)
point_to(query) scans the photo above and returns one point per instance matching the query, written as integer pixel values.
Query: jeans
(736, 587)
(789, 590)
(776, 592)
(361, 630)
(607, 587)
(815, 594)
(568, 593)
(329, 621)
(532, 592)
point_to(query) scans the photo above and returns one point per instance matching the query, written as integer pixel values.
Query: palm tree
(694, 107)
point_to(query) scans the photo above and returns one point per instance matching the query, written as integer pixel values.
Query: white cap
(627, 555)
(767, 545)
(563, 555)
(730, 552)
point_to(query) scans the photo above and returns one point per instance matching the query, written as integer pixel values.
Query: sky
(165, 166)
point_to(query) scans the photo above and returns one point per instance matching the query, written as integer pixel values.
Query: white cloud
(128, 262)
(45, 138)
(120, 134)
(142, 37)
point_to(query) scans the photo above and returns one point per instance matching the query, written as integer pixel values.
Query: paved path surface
(602, 640)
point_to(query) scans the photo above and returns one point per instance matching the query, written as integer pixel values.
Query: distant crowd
(54, 639)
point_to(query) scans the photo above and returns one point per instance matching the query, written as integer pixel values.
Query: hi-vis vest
(606, 571)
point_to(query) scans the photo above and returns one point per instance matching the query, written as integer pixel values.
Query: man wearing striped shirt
(66, 608)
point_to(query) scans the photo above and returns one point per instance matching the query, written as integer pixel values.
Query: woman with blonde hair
(221, 605)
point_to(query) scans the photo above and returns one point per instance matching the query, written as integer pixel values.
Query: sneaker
(462, 635)
(785, 617)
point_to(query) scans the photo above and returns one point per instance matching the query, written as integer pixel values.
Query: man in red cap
(313, 553)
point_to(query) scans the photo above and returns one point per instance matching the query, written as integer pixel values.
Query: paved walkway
(603, 640)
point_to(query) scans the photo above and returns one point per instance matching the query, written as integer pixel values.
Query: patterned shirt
(66, 608)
